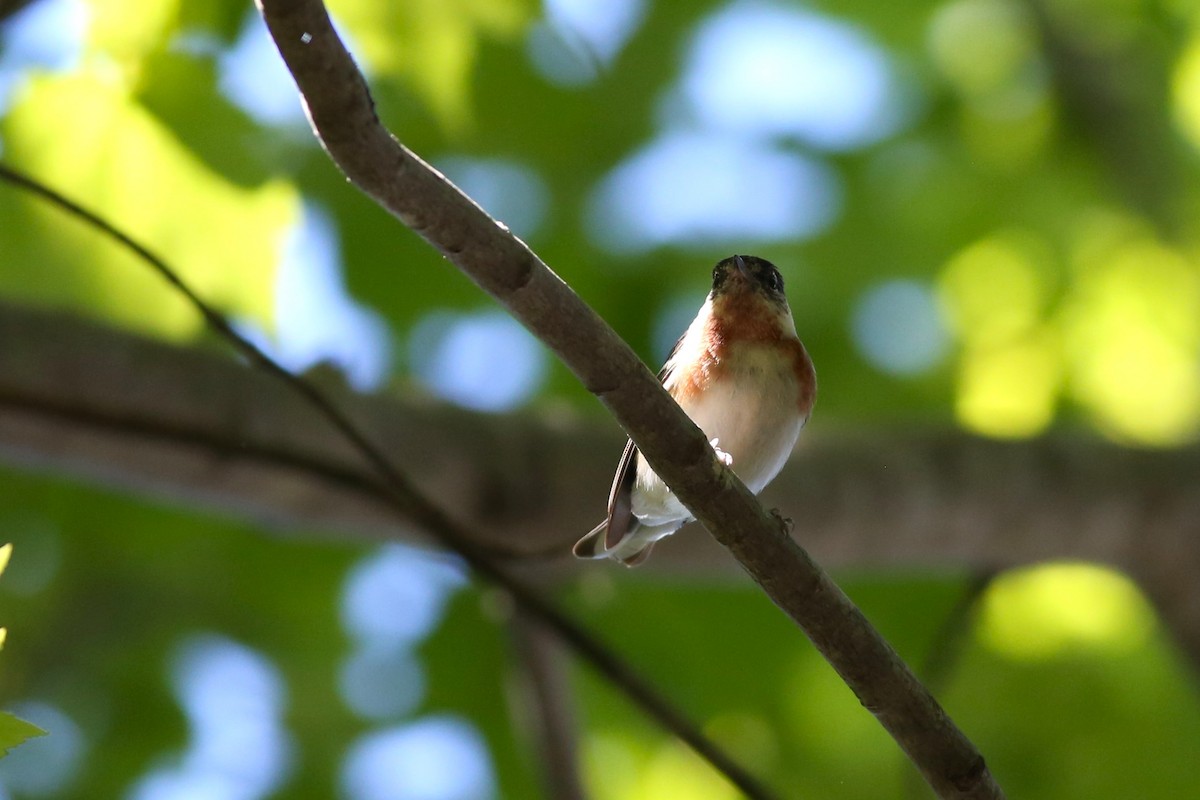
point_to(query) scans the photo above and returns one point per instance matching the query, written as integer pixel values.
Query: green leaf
(224, 239)
(431, 45)
(14, 731)
(127, 29)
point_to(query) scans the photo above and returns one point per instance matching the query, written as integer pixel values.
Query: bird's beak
(742, 268)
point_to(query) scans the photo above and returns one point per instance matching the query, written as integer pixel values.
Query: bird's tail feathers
(637, 556)
(591, 545)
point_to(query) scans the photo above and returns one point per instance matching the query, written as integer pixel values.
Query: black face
(757, 271)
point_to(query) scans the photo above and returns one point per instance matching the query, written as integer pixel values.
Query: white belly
(752, 413)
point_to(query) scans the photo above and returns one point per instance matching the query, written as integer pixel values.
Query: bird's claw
(785, 522)
(722, 456)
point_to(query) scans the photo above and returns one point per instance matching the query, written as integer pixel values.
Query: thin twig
(342, 113)
(360, 480)
(946, 649)
(420, 510)
(546, 707)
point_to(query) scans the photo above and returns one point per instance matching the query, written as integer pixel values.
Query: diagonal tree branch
(341, 110)
(406, 499)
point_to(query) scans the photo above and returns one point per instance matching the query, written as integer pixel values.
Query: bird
(743, 376)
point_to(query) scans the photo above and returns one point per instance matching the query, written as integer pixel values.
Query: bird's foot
(722, 456)
(785, 523)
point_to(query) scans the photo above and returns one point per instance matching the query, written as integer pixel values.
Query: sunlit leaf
(1133, 328)
(1186, 94)
(5, 554)
(1042, 612)
(982, 46)
(128, 29)
(14, 731)
(1011, 389)
(430, 45)
(1085, 643)
(224, 239)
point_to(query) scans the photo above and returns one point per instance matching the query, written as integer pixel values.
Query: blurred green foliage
(1041, 188)
(13, 730)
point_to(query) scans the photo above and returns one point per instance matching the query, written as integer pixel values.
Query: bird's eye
(719, 275)
(774, 281)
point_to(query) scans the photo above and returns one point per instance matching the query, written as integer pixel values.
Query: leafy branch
(342, 113)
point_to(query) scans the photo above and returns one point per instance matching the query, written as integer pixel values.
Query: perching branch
(395, 488)
(342, 113)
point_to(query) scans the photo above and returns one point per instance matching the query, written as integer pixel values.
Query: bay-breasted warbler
(742, 375)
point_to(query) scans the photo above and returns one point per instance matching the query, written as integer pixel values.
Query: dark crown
(757, 270)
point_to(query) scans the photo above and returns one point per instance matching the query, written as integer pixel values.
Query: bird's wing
(620, 499)
(669, 367)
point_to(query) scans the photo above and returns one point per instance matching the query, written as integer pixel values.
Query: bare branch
(342, 112)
